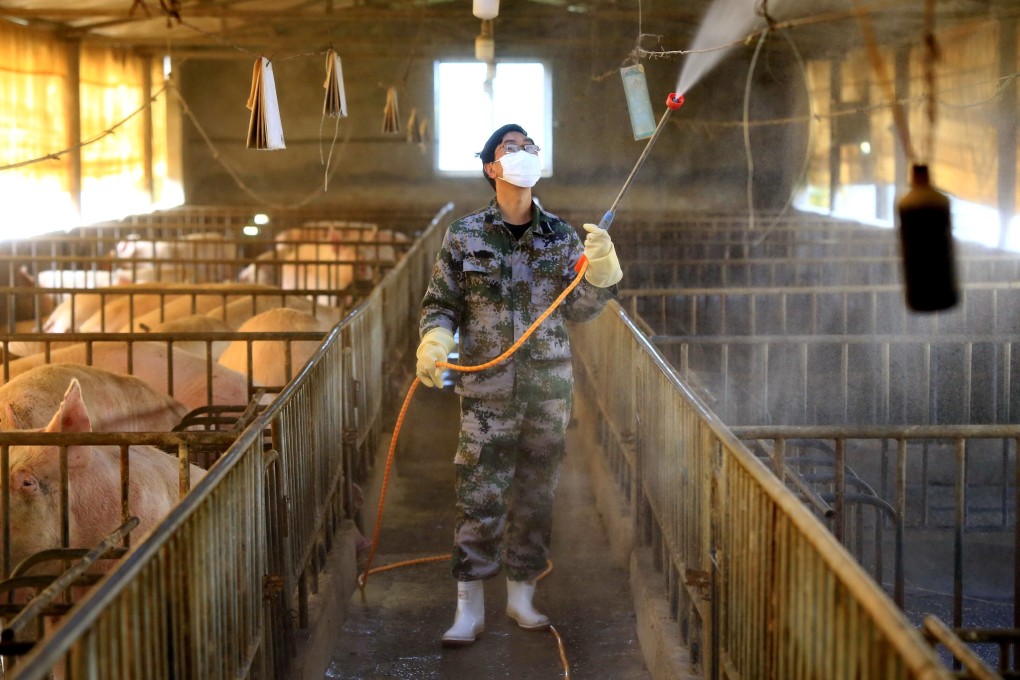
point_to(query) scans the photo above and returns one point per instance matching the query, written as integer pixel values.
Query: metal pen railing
(861, 379)
(951, 494)
(664, 269)
(222, 584)
(984, 307)
(760, 586)
(955, 478)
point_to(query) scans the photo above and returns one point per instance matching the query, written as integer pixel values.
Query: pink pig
(311, 266)
(150, 361)
(269, 366)
(117, 403)
(93, 487)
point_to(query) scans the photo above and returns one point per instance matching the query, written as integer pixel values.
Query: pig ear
(72, 416)
(11, 419)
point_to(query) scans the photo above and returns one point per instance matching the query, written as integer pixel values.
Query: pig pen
(345, 259)
(164, 264)
(49, 581)
(173, 254)
(305, 466)
(897, 429)
(838, 354)
(929, 510)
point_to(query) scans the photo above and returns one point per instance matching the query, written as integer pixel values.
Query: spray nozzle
(675, 100)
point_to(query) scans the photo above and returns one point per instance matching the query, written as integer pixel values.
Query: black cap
(488, 152)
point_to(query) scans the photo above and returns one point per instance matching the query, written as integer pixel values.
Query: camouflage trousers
(508, 466)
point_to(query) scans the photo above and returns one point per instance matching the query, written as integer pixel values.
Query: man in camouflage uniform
(498, 270)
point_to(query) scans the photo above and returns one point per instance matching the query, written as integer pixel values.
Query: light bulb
(485, 9)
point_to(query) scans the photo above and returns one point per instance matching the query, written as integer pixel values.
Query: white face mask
(521, 169)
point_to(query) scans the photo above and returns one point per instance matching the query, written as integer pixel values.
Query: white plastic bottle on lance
(926, 245)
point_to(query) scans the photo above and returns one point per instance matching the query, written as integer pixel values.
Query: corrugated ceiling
(380, 25)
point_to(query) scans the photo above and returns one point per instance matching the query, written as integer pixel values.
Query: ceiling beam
(378, 25)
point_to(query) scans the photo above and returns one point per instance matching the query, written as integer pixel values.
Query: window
(39, 195)
(466, 112)
(33, 87)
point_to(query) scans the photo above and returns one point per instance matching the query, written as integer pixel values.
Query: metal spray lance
(673, 102)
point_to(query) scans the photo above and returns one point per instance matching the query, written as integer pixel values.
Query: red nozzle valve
(674, 100)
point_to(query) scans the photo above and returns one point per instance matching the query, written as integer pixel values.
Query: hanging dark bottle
(926, 245)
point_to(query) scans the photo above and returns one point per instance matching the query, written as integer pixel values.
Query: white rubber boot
(470, 619)
(519, 607)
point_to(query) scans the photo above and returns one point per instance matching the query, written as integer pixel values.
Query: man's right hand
(435, 347)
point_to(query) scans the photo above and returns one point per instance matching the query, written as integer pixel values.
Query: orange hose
(405, 563)
(563, 652)
(548, 570)
(520, 341)
(581, 267)
(363, 579)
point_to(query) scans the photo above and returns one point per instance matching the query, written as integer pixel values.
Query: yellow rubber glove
(435, 347)
(603, 265)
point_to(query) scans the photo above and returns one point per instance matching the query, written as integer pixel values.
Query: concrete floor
(395, 632)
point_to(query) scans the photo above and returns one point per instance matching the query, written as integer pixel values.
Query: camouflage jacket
(491, 288)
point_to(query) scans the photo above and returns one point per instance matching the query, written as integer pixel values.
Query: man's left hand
(603, 265)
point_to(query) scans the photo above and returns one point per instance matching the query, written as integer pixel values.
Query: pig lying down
(189, 380)
(201, 258)
(93, 485)
(116, 403)
(269, 365)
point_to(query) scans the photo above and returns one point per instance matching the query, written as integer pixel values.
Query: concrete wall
(698, 162)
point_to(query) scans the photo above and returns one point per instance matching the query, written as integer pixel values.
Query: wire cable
(55, 155)
(747, 130)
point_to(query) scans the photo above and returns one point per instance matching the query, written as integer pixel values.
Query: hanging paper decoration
(423, 132)
(265, 130)
(422, 135)
(417, 130)
(391, 114)
(412, 128)
(335, 103)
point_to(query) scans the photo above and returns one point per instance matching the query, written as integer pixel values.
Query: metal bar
(1016, 542)
(961, 524)
(901, 511)
(907, 432)
(824, 508)
(125, 486)
(5, 509)
(976, 668)
(66, 580)
(63, 504)
(839, 516)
